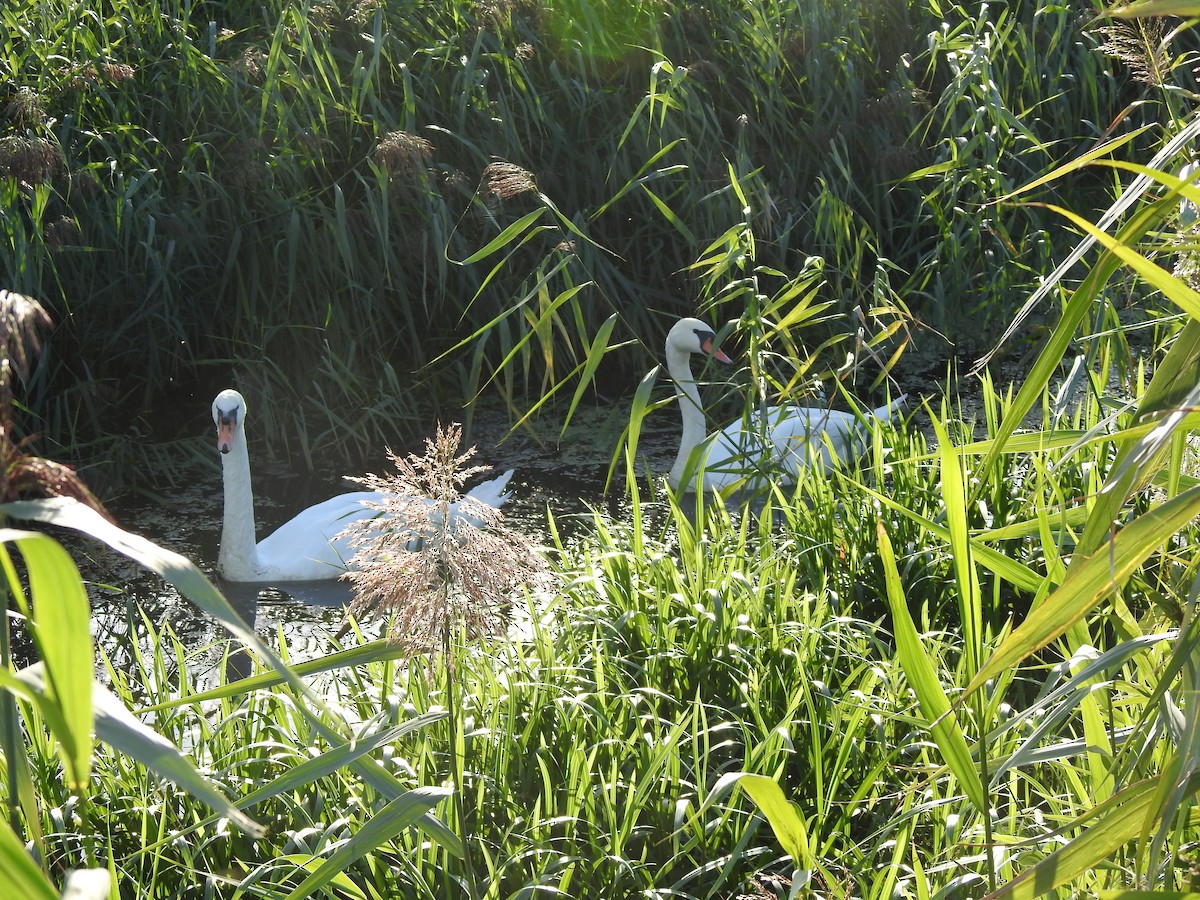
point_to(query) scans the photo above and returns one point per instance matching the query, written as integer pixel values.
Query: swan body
(305, 548)
(782, 439)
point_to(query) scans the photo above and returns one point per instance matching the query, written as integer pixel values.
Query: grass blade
(60, 626)
(943, 724)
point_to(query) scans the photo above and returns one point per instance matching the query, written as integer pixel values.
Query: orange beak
(225, 432)
(716, 352)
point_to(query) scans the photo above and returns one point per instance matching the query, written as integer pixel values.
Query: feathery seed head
(442, 559)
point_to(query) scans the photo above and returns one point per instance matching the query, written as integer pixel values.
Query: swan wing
(804, 436)
(492, 492)
(804, 433)
(733, 454)
(305, 548)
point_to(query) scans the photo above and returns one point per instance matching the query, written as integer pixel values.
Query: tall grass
(967, 665)
(675, 651)
(295, 195)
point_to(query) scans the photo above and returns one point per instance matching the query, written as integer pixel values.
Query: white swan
(791, 436)
(304, 548)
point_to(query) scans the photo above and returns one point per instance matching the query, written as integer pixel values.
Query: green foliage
(298, 194)
(940, 671)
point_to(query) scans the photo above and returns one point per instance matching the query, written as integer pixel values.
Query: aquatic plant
(444, 570)
(446, 563)
(292, 191)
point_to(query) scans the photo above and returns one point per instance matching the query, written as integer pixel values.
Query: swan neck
(238, 558)
(679, 367)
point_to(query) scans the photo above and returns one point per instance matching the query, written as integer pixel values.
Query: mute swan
(794, 435)
(304, 548)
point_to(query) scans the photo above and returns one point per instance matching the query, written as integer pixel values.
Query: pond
(564, 476)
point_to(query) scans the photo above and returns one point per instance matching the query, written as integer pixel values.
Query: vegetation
(324, 198)
(962, 666)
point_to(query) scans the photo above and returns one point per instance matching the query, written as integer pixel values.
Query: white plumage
(781, 440)
(306, 547)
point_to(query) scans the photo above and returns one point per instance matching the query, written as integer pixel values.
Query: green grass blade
(783, 816)
(505, 237)
(954, 498)
(18, 872)
(394, 818)
(61, 630)
(1108, 828)
(595, 355)
(1183, 8)
(943, 724)
(1089, 580)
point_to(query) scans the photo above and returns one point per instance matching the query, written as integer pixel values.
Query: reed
(234, 182)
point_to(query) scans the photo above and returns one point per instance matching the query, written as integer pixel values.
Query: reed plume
(447, 561)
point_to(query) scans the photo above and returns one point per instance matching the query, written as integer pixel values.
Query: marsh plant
(446, 560)
(444, 568)
(22, 319)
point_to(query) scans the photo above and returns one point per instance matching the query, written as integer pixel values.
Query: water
(564, 476)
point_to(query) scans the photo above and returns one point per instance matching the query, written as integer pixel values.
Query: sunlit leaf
(1089, 581)
(1182, 8)
(380, 828)
(782, 814)
(61, 627)
(19, 874)
(922, 676)
(1106, 829)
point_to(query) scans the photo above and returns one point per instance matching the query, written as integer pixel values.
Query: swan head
(689, 336)
(229, 415)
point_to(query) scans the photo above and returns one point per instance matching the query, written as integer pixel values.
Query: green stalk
(458, 764)
(10, 728)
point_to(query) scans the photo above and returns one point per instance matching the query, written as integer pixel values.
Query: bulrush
(506, 180)
(401, 153)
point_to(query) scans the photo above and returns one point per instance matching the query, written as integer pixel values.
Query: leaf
(595, 355)
(375, 651)
(783, 816)
(943, 724)
(60, 624)
(18, 872)
(505, 237)
(384, 825)
(1089, 581)
(1109, 827)
(121, 730)
(1185, 9)
(954, 500)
